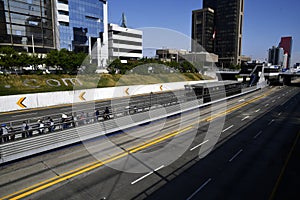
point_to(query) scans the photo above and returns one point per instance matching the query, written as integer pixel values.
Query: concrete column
(287, 80)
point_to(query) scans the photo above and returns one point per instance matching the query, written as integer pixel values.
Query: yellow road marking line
(55, 180)
(88, 167)
(284, 167)
(236, 107)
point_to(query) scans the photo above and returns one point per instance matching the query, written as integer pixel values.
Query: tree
(114, 66)
(8, 57)
(7, 50)
(174, 65)
(64, 57)
(52, 58)
(187, 67)
(22, 60)
(79, 59)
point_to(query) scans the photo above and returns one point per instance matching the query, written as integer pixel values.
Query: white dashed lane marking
(198, 145)
(146, 175)
(235, 155)
(258, 134)
(227, 129)
(200, 188)
(245, 118)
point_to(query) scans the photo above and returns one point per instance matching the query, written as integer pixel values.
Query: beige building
(168, 55)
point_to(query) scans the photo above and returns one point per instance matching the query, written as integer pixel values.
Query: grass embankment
(23, 84)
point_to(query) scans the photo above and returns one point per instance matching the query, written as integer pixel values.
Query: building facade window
(24, 23)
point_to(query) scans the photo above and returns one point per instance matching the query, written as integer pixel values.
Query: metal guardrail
(47, 141)
(22, 148)
(120, 109)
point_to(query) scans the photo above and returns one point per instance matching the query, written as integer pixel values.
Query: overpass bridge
(254, 73)
(288, 76)
(227, 74)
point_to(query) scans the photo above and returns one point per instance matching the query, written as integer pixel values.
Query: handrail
(23, 148)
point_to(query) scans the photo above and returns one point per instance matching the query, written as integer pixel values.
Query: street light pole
(32, 41)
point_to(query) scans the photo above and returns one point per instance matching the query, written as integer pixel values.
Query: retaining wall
(38, 100)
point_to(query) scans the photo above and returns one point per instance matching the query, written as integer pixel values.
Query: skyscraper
(83, 28)
(276, 56)
(28, 25)
(286, 44)
(202, 30)
(227, 30)
(39, 26)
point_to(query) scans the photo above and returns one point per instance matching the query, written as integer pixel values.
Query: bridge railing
(84, 118)
(46, 141)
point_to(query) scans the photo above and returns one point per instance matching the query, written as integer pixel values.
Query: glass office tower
(203, 30)
(28, 25)
(81, 24)
(276, 56)
(227, 30)
(78, 21)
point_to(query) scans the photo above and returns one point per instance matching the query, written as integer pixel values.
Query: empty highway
(236, 152)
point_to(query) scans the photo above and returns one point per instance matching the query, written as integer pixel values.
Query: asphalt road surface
(251, 158)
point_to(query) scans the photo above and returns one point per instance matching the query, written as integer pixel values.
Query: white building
(124, 43)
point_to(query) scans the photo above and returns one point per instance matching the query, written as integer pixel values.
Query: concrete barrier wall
(37, 100)
(34, 145)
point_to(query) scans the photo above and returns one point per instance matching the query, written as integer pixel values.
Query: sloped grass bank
(24, 84)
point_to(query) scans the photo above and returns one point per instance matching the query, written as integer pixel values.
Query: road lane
(114, 192)
(201, 136)
(258, 157)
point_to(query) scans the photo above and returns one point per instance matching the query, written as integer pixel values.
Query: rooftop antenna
(124, 21)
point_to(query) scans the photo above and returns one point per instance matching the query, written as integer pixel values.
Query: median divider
(23, 148)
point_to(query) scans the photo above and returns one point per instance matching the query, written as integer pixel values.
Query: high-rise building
(125, 43)
(41, 25)
(203, 30)
(276, 56)
(227, 30)
(28, 25)
(83, 28)
(286, 44)
(3, 30)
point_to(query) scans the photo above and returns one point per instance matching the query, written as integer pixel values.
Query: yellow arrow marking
(81, 96)
(126, 91)
(161, 87)
(20, 102)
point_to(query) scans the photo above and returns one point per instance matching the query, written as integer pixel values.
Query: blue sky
(265, 21)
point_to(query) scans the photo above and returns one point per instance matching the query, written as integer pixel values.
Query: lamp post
(32, 41)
